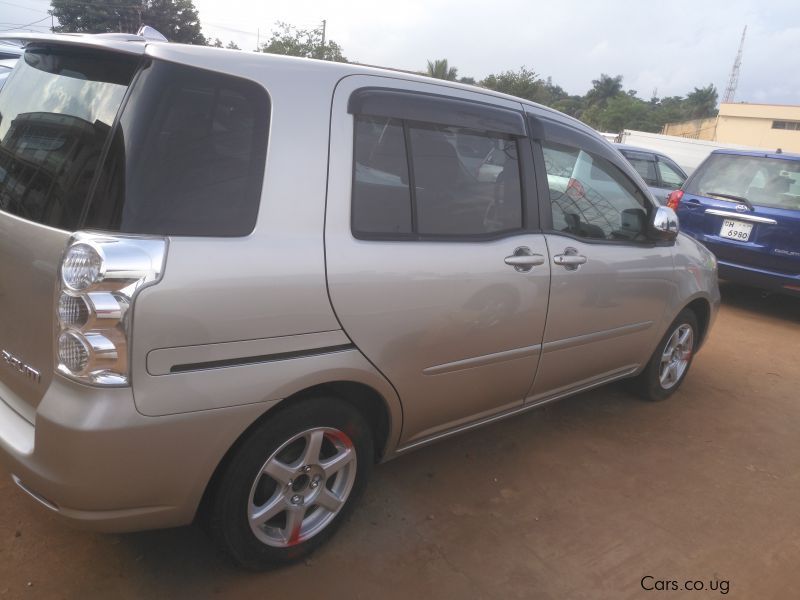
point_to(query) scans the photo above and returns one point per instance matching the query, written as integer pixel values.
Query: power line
(26, 24)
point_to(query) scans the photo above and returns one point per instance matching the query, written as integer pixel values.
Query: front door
(436, 268)
(610, 283)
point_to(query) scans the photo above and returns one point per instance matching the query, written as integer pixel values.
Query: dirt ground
(598, 496)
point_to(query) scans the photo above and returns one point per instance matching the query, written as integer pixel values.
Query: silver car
(231, 283)
(661, 174)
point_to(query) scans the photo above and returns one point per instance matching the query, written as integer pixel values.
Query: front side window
(420, 180)
(591, 198)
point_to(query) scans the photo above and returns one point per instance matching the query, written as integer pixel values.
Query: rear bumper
(761, 278)
(94, 460)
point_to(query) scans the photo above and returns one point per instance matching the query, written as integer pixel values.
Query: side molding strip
(250, 360)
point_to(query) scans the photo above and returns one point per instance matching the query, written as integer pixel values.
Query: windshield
(56, 113)
(769, 182)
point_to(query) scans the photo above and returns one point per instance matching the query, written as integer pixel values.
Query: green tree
(441, 70)
(308, 43)
(524, 83)
(624, 111)
(177, 20)
(232, 46)
(603, 89)
(702, 102)
(217, 43)
(573, 106)
(467, 80)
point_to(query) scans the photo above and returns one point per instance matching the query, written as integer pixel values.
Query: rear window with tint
(56, 114)
(770, 182)
(186, 156)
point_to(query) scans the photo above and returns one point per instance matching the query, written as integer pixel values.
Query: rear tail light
(674, 199)
(100, 278)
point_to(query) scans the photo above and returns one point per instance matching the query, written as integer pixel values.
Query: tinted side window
(381, 194)
(460, 182)
(591, 197)
(644, 165)
(188, 156)
(670, 177)
(465, 193)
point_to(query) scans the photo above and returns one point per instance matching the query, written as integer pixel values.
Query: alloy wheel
(302, 487)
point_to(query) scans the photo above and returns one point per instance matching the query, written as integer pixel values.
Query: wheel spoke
(264, 513)
(294, 521)
(313, 448)
(280, 472)
(685, 338)
(664, 377)
(329, 501)
(336, 463)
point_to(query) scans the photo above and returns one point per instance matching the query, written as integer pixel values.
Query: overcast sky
(670, 45)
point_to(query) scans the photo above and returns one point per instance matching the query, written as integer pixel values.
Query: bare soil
(581, 499)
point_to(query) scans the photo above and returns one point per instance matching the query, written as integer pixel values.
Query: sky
(665, 46)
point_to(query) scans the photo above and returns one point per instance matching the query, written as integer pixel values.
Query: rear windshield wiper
(741, 199)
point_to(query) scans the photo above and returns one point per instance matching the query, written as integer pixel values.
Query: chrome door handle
(570, 260)
(523, 260)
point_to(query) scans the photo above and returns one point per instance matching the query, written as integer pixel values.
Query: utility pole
(324, 23)
(733, 82)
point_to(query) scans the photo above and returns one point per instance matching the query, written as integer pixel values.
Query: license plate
(735, 230)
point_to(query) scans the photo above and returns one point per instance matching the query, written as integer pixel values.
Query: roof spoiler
(128, 43)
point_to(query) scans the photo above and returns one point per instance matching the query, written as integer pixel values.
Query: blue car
(745, 208)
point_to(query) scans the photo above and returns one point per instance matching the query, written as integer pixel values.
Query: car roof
(137, 45)
(639, 149)
(759, 153)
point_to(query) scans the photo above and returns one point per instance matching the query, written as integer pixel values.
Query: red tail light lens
(675, 199)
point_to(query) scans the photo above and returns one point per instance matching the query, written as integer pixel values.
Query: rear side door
(746, 210)
(610, 284)
(436, 267)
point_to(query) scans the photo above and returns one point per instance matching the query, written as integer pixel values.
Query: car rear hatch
(57, 110)
(746, 209)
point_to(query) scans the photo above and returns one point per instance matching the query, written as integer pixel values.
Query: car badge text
(16, 364)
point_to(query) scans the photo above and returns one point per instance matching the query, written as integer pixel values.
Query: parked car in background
(661, 174)
(745, 207)
(194, 326)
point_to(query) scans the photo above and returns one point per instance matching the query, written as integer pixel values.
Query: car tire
(671, 360)
(290, 482)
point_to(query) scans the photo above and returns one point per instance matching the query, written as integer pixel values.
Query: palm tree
(702, 102)
(603, 89)
(441, 70)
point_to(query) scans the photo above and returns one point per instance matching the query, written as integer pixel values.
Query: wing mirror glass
(664, 224)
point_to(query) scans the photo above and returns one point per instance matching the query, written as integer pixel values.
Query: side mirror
(664, 224)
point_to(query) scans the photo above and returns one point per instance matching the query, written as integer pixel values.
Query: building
(768, 126)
